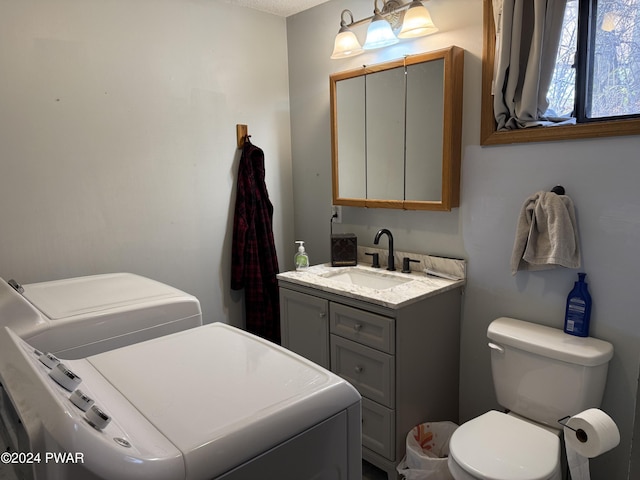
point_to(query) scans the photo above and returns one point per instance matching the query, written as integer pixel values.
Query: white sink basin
(366, 278)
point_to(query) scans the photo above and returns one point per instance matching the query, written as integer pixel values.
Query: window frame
(595, 128)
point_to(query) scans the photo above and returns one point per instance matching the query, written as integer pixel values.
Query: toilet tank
(544, 374)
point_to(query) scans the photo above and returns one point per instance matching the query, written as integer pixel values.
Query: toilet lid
(496, 446)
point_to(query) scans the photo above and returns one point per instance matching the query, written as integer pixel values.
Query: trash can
(427, 452)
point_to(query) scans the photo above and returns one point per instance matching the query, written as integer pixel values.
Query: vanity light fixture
(412, 19)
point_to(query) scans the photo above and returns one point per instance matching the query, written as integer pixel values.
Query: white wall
(600, 175)
(118, 138)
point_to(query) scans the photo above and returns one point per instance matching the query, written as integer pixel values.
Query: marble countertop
(419, 284)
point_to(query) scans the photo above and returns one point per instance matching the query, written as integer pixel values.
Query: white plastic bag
(427, 452)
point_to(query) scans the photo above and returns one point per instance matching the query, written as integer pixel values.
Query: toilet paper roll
(591, 433)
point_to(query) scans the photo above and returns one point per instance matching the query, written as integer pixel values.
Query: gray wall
(118, 138)
(600, 175)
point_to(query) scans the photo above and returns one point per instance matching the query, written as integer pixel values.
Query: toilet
(82, 316)
(540, 375)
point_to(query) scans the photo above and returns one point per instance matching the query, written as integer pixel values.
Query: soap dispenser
(301, 259)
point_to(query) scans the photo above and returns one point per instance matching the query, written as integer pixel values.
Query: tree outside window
(612, 83)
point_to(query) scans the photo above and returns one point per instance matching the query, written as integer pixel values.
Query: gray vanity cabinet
(404, 361)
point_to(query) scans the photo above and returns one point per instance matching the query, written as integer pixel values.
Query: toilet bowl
(540, 375)
(499, 446)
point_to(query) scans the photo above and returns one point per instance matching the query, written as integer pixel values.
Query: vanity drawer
(363, 327)
(370, 371)
(378, 425)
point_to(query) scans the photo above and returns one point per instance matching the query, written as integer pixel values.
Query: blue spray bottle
(578, 312)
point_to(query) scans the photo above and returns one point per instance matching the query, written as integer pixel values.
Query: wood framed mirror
(396, 132)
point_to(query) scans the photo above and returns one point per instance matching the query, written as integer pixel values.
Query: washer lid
(223, 396)
(497, 446)
(77, 296)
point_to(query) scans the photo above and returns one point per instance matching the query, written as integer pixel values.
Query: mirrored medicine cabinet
(396, 132)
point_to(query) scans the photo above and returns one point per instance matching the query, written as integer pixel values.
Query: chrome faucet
(390, 263)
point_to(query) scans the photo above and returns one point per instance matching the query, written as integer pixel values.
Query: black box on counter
(344, 250)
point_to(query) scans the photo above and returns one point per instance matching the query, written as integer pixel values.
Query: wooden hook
(241, 133)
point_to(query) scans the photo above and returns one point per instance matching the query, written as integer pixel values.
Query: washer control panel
(91, 419)
(70, 381)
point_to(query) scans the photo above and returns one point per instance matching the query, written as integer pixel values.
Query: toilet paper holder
(581, 435)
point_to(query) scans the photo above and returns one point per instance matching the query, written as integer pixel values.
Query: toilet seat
(497, 446)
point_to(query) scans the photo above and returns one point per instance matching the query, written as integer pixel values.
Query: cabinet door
(305, 326)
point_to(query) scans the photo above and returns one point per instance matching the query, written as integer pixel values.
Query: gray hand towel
(547, 234)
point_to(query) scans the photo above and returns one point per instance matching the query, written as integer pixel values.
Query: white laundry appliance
(212, 402)
(78, 317)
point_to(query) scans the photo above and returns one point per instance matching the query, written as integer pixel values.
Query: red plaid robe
(254, 263)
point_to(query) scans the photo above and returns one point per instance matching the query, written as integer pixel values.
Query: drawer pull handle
(357, 327)
(323, 314)
(359, 369)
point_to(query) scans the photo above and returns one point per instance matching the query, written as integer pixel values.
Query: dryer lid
(496, 446)
(69, 297)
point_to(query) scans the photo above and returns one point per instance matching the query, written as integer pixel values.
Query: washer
(78, 317)
(212, 402)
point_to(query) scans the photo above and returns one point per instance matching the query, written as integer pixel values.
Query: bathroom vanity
(394, 336)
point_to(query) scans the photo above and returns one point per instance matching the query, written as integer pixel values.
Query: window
(609, 67)
(596, 80)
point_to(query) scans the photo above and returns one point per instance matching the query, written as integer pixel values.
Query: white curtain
(527, 37)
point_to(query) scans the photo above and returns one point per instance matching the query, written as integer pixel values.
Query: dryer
(212, 402)
(78, 317)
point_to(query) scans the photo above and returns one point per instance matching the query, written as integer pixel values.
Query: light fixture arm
(343, 23)
(389, 7)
